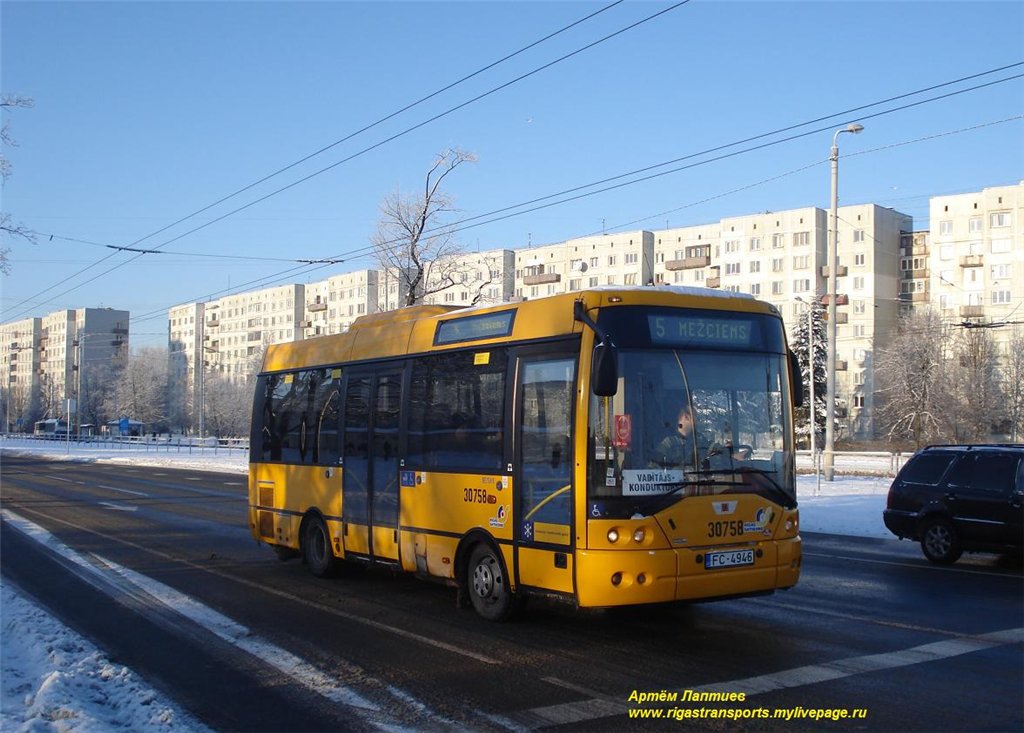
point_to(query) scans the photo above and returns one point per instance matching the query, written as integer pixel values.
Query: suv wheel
(939, 541)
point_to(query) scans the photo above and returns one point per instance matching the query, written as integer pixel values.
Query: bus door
(543, 473)
(370, 479)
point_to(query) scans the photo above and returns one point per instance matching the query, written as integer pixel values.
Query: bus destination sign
(692, 330)
(473, 328)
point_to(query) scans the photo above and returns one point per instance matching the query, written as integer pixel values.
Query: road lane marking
(914, 565)
(61, 478)
(603, 707)
(119, 507)
(123, 491)
(323, 607)
(233, 483)
(228, 630)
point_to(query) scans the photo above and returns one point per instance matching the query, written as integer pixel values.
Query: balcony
(841, 365)
(840, 317)
(971, 261)
(972, 311)
(841, 299)
(713, 282)
(840, 271)
(688, 263)
(305, 324)
(918, 297)
(314, 307)
(542, 279)
(213, 323)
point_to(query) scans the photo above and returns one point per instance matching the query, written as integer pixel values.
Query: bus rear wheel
(488, 586)
(316, 549)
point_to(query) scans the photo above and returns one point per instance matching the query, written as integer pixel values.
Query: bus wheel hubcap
(483, 580)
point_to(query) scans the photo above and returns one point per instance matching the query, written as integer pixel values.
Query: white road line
(914, 566)
(602, 707)
(123, 491)
(119, 507)
(60, 478)
(236, 634)
(233, 483)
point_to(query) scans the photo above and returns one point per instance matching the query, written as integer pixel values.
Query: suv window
(926, 468)
(985, 472)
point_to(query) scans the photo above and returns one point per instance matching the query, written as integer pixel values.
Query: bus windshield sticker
(691, 330)
(473, 328)
(650, 481)
(288, 378)
(482, 358)
(623, 431)
(335, 374)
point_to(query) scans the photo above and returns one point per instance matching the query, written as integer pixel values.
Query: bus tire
(487, 584)
(316, 548)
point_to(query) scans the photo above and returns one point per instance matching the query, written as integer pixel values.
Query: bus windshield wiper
(740, 470)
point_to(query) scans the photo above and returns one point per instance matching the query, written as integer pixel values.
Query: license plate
(728, 559)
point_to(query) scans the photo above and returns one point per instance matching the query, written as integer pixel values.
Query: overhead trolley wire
(371, 147)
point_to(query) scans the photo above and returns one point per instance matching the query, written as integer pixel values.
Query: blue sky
(146, 112)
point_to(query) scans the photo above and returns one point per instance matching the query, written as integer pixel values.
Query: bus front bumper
(631, 577)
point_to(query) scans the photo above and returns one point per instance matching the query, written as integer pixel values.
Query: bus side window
(457, 410)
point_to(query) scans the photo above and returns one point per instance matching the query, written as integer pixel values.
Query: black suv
(963, 497)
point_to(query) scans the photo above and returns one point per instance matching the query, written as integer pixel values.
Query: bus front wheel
(316, 548)
(487, 583)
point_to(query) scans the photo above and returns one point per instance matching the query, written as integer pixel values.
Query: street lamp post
(833, 266)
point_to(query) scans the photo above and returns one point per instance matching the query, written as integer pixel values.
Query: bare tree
(1013, 387)
(140, 388)
(7, 224)
(914, 385)
(413, 243)
(979, 402)
(228, 407)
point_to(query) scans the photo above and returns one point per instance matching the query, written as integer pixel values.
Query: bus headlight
(638, 535)
(613, 535)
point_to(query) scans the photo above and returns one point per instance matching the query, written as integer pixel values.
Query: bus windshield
(687, 423)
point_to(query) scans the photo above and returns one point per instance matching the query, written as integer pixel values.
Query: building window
(575, 284)
(801, 285)
(755, 244)
(778, 241)
(801, 262)
(755, 265)
(858, 400)
(698, 275)
(777, 287)
(998, 219)
(755, 289)
(630, 278)
(1000, 271)
(800, 238)
(732, 245)
(611, 260)
(1000, 297)
(858, 235)
(945, 302)
(859, 260)
(632, 258)
(974, 226)
(732, 268)
(778, 264)
(593, 261)
(858, 307)
(946, 226)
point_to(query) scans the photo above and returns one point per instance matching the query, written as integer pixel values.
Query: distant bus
(515, 450)
(51, 427)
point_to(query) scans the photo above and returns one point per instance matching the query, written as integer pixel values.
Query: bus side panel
(539, 568)
(385, 543)
(356, 538)
(280, 495)
(438, 509)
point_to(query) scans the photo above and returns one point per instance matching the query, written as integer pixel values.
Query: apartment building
(624, 258)
(19, 363)
(974, 265)
(332, 305)
(56, 357)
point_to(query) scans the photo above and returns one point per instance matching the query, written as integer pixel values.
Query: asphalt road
(157, 567)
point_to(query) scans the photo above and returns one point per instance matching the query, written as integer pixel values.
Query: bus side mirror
(796, 380)
(604, 370)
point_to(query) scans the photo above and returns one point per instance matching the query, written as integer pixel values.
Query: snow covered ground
(54, 680)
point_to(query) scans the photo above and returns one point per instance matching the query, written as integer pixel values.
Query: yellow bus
(538, 448)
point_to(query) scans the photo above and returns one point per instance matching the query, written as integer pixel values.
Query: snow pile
(54, 680)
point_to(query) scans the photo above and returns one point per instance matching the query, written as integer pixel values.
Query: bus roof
(415, 329)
